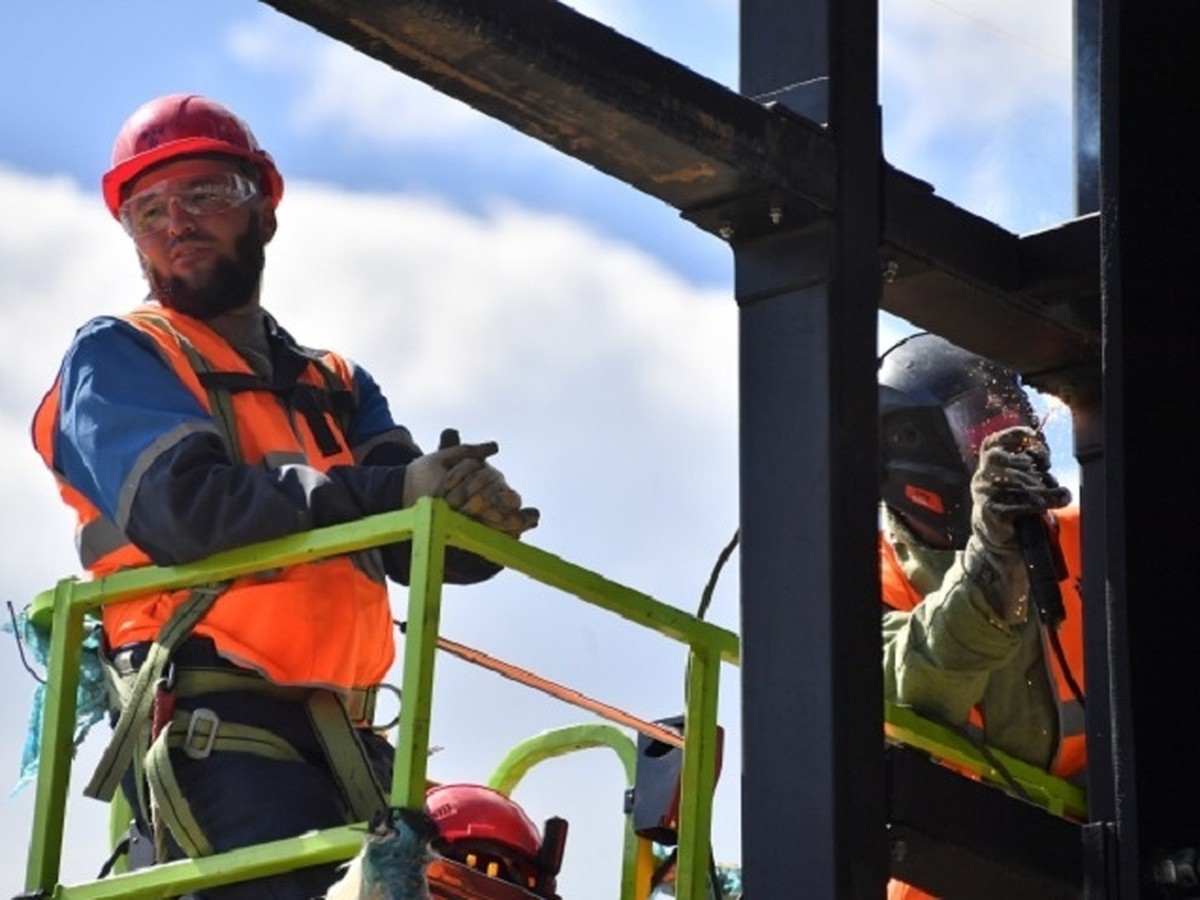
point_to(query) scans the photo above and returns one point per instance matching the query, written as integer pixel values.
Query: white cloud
(514, 301)
(977, 98)
(347, 92)
(973, 63)
(64, 257)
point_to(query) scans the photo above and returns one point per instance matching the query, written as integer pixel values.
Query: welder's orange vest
(1070, 759)
(324, 623)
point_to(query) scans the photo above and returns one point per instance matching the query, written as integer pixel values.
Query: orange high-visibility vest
(1071, 757)
(326, 623)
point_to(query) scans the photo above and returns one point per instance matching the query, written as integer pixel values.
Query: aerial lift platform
(1049, 806)
(789, 172)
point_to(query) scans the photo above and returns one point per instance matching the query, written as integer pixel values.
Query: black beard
(231, 284)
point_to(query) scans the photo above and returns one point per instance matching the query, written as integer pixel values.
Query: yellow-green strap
(200, 733)
(136, 712)
(220, 400)
(210, 735)
(347, 758)
(197, 680)
(171, 810)
(194, 681)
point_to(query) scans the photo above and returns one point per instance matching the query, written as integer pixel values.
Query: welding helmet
(180, 125)
(937, 403)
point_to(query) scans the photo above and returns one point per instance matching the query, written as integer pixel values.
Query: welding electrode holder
(1045, 567)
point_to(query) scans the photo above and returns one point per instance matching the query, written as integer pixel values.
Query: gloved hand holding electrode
(1012, 483)
(460, 474)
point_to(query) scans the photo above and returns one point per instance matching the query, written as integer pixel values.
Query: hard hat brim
(115, 179)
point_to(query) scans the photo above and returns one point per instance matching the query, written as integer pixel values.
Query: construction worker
(194, 424)
(965, 471)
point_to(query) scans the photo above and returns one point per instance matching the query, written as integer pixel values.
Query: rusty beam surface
(588, 91)
(735, 167)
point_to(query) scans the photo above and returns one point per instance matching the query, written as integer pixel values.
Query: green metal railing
(432, 526)
(1062, 798)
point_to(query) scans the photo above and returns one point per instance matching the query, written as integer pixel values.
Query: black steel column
(1087, 105)
(1099, 835)
(1087, 410)
(812, 783)
(1150, 204)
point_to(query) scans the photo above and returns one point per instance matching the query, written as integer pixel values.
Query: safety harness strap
(136, 710)
(312, 402)
(347, 757)
(196, 680)
(199, 733)
(220, 401)
(192, 681)
(171, 809)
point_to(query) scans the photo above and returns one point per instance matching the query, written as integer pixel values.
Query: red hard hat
(477, 813)
(182, 125)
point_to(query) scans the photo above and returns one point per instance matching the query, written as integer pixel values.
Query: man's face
(203, 250)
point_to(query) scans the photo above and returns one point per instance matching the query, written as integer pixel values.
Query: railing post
(698, 778)
(420, 651)
(58, 723)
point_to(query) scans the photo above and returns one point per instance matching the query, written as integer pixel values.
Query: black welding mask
(937, 403)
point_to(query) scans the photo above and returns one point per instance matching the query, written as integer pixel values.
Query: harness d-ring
(383, 686)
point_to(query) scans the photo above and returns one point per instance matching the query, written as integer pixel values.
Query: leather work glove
(1012, 481)
(460, 474)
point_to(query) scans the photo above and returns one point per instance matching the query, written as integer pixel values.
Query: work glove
(1012, 481)
(461, 475)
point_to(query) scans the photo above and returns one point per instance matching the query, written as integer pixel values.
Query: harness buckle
(200, 746)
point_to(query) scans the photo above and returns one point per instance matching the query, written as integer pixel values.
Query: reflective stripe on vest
(100, 543)
(1070, 758)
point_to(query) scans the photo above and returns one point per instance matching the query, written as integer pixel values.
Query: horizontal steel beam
(1032, 302)
(590, 92)
(734, 167)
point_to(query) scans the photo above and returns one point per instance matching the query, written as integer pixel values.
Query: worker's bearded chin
(230, 284)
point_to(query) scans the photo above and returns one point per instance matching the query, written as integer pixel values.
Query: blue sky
(490, 284)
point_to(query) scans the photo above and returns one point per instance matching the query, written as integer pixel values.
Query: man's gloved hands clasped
(460, 474)
(1012, 481)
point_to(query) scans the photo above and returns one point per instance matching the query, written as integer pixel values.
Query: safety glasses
(148, 211)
